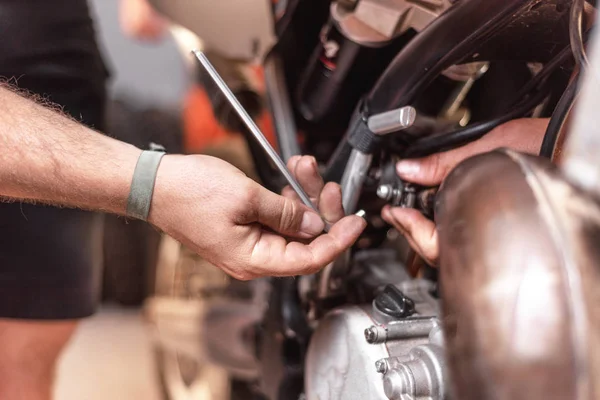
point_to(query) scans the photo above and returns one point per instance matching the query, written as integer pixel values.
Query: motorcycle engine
(392, 349)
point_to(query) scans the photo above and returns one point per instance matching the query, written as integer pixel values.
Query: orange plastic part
(201, 129)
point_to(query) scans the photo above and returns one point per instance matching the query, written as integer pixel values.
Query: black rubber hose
(459, 137)
(541, 77)
(558, 119)
(475, 131)
(576, 33)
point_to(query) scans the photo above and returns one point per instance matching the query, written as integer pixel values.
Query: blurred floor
(110, 357)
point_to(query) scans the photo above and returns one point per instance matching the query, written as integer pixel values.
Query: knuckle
(313, 269)
(249, 192)
(238, 268)
(245, 277)
(241, 275)
(431, 255)
(288, 216)
(306, 162)
(293, 161)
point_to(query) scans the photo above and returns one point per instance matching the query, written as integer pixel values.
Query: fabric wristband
(142, 184)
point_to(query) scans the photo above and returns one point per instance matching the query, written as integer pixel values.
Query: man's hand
(524, 135)
(204, 202)
(238, 225)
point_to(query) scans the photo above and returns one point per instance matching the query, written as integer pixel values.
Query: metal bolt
(376, 334)
(385, 192)
(392, 121)
(371, 334)
(381, 366)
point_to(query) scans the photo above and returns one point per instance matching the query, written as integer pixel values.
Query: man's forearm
(47, 157)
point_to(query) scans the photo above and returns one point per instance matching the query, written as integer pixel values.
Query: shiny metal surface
(519, 277)
(420, 376)
(255, 130)
(405, 328)
(354, 178)
(342, 364)
(331, 278)
(392, 121)
(404, 195)
(580, 160)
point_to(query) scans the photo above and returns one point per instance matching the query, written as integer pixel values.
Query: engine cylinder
(519, 277)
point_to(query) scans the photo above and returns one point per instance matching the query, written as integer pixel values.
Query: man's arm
(48, 157)
(201, 201)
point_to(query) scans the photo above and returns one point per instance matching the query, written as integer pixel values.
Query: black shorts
(50, 258)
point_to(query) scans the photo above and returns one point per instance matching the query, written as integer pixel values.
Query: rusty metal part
(520, 281)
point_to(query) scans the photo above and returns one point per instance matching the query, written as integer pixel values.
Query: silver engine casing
(356, 353)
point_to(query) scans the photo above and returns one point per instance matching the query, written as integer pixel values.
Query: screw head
(370, 334)
(381, 366)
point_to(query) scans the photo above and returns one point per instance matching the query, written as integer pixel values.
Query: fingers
(431, 170)
(525, 135)
(290, 193)
(327, 197)
(273, 256)
(292, 162)
(307, 173)
(330, 203)
(418, 230)
(285, 216)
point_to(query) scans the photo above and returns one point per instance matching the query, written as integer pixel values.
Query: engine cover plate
(342, 365)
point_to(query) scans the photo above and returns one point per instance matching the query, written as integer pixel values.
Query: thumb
(430, 170)
(287, 216)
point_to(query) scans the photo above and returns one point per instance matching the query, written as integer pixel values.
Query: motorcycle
(361, 84)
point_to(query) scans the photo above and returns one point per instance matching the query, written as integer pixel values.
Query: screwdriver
(257, 133)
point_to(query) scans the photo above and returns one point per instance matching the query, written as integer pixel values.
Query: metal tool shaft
(255, 130)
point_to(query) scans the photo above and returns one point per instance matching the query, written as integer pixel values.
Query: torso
(48, 38)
